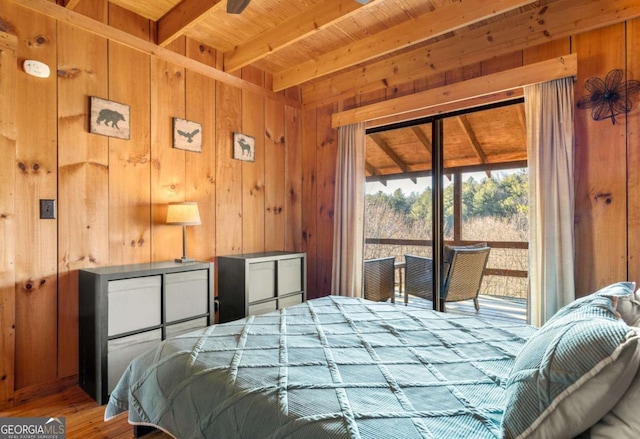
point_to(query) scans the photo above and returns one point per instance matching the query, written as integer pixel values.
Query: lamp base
(184, 260)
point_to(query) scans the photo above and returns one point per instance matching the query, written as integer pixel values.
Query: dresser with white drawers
(128, 309)
(258, 283)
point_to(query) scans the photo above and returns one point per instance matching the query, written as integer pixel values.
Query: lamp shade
(183, 214)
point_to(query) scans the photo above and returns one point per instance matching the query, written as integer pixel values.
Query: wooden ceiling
(481, 140)
(344, 50)
(303, 40)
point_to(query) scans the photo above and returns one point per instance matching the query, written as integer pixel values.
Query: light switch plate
(47, 209)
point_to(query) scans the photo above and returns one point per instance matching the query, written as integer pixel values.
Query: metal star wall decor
(610, 97)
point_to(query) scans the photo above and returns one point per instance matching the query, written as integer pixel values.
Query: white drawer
(289, 276)
(133, 304)
(262, 280)
(184, 327)
(186, 295)
(262, 308)
(289, 301)
(122, 350)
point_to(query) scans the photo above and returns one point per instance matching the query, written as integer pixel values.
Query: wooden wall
(112, 193)
(607, 157)
(8, 47)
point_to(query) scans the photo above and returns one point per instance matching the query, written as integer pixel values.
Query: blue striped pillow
(573, 370)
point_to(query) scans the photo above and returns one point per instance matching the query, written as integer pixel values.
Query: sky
(409, 186)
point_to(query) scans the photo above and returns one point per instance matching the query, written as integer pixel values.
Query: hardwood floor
(84, 417)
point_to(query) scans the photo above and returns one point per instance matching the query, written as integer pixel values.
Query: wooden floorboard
(84, 417)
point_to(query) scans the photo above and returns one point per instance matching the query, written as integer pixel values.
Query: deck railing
(426, 243)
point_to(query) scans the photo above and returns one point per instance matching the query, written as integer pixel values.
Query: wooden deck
(491, 307)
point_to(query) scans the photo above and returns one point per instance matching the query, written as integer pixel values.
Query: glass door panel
(398, 201)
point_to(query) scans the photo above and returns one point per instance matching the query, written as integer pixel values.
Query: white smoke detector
(36, 68)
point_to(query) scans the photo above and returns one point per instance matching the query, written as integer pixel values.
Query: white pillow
(629, 309)
(623, 421)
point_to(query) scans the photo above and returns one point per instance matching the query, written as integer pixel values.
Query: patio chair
(462, 275)
(379, 279)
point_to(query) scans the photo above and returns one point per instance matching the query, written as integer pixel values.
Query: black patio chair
(379, 279)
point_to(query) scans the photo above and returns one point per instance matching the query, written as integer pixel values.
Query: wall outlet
(47, 209)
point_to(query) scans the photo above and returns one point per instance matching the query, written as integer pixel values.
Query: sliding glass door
(427, 178)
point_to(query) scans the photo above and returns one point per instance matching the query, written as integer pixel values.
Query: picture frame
(187, 135)
(244, 147)
(109, 118)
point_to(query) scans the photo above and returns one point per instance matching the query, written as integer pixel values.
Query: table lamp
(183, 214)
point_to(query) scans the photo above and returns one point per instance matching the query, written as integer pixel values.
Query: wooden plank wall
(36, 178)
(129, 209)
(201, 168)
(112, 193)
(83, 179)
(310, 198)
(8, 60)
(633, 156)
(607, 159)
(601, 169)
(293, 174)
(253, 188)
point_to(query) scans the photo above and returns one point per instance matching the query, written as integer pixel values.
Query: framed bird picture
(187, 135)
(244, 147)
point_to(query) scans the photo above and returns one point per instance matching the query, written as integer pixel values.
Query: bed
(332, 367)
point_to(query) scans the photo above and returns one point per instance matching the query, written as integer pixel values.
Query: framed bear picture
(108, 118)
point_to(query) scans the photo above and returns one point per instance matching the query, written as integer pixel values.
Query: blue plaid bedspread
(333, 367)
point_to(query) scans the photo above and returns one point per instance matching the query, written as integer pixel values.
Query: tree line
(504, 195)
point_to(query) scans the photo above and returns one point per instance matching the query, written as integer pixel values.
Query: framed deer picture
(244, 147)
(187, 135)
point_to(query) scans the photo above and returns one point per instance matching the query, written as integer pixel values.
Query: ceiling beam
(522, 118)
(236, 7)
(471, 135)
(413, 175)
(449, 107)
(290, 31)
(371, 170)
(183, 17)
(448, 18)
(389, 152)
(423, 139)
(96, 9)
(473, 139)
(71, 4)
(537, 26)
(543, 71)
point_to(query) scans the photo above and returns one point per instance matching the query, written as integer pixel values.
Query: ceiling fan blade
(236, 6)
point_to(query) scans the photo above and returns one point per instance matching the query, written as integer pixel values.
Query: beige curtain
(550, 144)
(348, 222)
